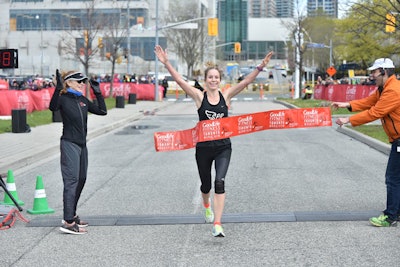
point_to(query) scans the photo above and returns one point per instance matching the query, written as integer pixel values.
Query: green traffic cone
(10, 185)
(40, 205)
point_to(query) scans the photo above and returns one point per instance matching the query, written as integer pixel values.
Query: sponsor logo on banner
(277, 119)
(310, 118)
(211, 130)
(165, 141)
(351, 93)
(195, 136)
(330, 92)
(23, 101)
(245, 124)
(46, 98)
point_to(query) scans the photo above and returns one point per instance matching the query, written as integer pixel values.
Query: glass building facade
(233, 19)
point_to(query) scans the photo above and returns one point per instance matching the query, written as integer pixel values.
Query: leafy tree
(361, 36)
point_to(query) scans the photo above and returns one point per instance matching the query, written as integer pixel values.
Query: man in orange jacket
(383, 104)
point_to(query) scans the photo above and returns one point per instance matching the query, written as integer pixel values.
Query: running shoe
(217, 231)
(209, 215)
(382, 221)
(72, 229)
(78, 221)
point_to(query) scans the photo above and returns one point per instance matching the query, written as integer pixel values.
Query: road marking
(165, 219)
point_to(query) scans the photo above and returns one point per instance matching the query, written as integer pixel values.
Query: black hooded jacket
(74, 112)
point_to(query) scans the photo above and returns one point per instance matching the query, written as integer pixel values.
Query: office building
(328, 7)
(262, 8)
(51, 34)
(284, 8)
(256, 35)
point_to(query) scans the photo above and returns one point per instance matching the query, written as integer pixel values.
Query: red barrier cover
(343, 92)
(40, 100)
(208, 130)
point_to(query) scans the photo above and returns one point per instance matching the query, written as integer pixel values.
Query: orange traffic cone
(40, 205)
(10, 185)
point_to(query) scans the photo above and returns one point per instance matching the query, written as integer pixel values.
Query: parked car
(172, 85)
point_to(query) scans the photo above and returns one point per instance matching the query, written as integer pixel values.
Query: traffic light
(212, 26)
(390, 23)
(100, 42)
(237, 48)
(86, 37)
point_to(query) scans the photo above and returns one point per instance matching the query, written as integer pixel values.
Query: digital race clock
(8, 58)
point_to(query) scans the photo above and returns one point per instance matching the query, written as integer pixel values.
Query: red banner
(40, 100)
(208, 130)
(343, 92)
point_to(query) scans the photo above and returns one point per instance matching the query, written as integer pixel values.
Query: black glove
(95, 86)
(59, 80)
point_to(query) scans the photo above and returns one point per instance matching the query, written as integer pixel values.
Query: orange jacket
(383, 105)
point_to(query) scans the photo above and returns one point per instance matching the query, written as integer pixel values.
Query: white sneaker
(209, 215)
(218, 231)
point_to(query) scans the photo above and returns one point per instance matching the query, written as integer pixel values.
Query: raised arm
(236, 89)
(189, 90)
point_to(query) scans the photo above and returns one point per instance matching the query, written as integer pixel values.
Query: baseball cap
(76, 76)
(384, 63)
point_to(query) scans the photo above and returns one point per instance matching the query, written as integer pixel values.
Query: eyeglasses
(81, 81)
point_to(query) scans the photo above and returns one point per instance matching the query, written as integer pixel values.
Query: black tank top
(208, 111)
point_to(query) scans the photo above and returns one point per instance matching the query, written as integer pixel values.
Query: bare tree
(296, 27)
(186, 43)
(77, 43)
(115, 36)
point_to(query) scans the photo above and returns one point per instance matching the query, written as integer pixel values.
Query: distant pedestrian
(198, 85)
(164, 84)
(74, 107)
(212, 104)
(384, 104)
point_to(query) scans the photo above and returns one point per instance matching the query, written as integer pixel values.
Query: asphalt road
(298, 197)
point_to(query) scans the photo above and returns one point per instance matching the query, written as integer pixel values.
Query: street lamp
(41, 45)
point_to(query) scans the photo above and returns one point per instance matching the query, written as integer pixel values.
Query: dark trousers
(205, 156)
(74, 164)
(393, 182)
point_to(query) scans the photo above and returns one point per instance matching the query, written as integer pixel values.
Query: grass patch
(313, 103)
(42, 117)
(374, 131)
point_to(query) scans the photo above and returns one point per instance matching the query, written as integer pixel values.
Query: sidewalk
(22, 149)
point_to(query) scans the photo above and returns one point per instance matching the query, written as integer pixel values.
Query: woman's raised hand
(161, 54)
(267, 58)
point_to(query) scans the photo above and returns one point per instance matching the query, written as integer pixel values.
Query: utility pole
(156, 97)
(128, 68)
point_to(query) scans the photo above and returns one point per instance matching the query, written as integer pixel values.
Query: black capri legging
(204, 158)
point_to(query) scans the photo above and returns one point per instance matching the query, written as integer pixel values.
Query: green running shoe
(209, 215)
(382, 221)
(217, 231)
